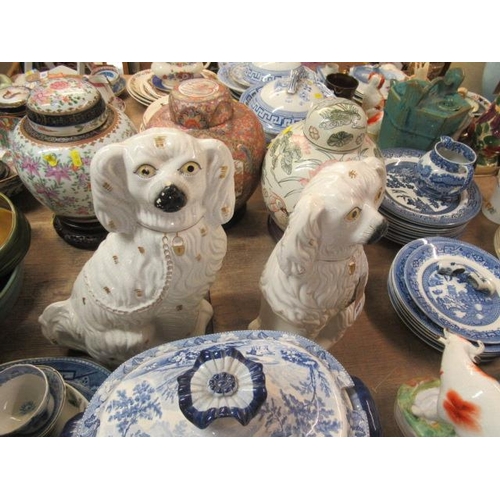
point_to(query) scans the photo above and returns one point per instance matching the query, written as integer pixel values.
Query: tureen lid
(245, 383)
(277, 107)
(200, 103)
(65, 101)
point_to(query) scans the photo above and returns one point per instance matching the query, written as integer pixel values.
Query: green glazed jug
(417, 113)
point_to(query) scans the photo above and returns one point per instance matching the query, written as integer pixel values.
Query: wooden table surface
(378, 348)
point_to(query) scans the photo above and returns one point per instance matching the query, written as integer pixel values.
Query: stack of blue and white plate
(409, 209)
(436, 283)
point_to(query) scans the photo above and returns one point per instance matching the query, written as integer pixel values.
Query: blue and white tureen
(244, 383)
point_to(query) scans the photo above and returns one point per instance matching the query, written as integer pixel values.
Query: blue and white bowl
(243, 383)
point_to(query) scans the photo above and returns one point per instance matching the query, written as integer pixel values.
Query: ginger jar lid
(65, 106)
(336, 124)
(200, 103)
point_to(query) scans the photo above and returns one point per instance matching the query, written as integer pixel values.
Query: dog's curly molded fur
(163, 196)
(314, 280)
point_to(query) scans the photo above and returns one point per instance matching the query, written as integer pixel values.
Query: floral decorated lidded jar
(204, 108)
(66, 122)
(335, 129)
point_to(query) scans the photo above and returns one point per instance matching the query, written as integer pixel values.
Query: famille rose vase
(205, 109)
(335, 129)
(66, 122)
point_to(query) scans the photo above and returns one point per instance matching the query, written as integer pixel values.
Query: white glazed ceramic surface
(307, 391)
(260, 72)
(293, 159)
(313, 282)
(171, 73)
(25, 398)
(163, 204)
(57, 173)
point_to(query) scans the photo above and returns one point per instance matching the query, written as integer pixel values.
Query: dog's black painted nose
(171, 199)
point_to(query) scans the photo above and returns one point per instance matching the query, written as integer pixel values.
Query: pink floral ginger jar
(66, 122)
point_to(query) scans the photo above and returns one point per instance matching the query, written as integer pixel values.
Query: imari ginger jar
(334, 129)
(66, 122)
(205, 109)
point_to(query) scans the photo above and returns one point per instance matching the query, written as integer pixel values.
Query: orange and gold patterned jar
(204, 108)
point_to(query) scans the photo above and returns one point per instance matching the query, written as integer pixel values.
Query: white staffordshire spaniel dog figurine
(314, 281)
(163, 195)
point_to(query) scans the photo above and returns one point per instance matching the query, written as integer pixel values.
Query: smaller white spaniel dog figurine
(163, 195)
(313, 283)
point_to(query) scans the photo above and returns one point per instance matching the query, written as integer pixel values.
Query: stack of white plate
(438, 282)
(412, 212)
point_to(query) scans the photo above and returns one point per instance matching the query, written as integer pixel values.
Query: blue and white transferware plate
(83, 374)
(410, 314)
(245, 383)
(408, 201)
(457, 286)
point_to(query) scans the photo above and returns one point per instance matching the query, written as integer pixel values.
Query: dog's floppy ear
(109, 189)
(299, 245)
(219, 198)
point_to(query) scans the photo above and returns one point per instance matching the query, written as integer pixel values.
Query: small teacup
(342, 85)
(110, 73)
(26, 400)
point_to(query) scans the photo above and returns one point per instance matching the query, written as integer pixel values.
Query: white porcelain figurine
(314, 281)
(163, 196)
(466, 398)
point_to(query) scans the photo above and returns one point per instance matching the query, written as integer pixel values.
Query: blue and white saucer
(226, 75)
(457, 286)
(413, 317)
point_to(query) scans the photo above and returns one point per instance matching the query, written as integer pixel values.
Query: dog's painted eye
(189, 168)
(146, 171)
(353, 214)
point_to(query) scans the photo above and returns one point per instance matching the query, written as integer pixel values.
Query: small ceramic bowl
(15, 235)
(25, 397)
(110, 72)
(261, 72)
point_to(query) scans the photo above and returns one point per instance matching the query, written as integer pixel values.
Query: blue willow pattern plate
(406, 199)
(307, 391)
(456, 285)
